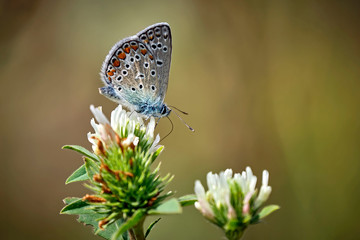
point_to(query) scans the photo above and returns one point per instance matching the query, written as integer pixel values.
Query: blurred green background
(269, 84)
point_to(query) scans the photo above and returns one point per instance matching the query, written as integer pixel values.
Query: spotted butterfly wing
(136, 71)
(157, 38)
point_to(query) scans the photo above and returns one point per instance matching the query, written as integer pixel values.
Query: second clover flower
(232, 202)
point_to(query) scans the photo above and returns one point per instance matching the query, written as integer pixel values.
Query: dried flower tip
(105, 189)
(106, 167)
(151, 201)
(118, 140)
(98, 178)
(101, 147)
(128, 174)
(92, 198)
(102, 223)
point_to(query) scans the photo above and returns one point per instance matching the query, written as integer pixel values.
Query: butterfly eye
(146, 64)
(125, 73)
(153, 73)
(163, 110)
(165, 49)
(153, 87)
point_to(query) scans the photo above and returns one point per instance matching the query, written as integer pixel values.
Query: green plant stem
(137, 232)
(234, 235)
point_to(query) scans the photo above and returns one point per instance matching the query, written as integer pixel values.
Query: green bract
(125, 187)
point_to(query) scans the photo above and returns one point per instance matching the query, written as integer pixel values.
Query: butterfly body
(136, 71)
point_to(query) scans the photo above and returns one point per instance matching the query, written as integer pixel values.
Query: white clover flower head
(122, 129)
(229, 196)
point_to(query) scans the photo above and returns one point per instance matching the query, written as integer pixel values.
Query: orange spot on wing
(111, 73)
(143, 51)
(116, 63)
(127, 50)
(151, 57)
(151, 37)
(146, 41)
(122, 55)
(135, 47)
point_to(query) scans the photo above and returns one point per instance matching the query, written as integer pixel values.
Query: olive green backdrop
(269, 84)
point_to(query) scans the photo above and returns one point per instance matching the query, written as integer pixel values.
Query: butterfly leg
(157, 122)
(131, 113)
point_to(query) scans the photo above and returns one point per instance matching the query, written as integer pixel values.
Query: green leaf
(79, 175)
(187, 200)
(151, 226)
(89, 217)
(131, 222)
(108, 232)
(267, 210)
(172, 206)
(69, 200)
(82, 150)
(75, 206)
(91, 167)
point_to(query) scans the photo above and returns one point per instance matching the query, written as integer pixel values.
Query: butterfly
(136, 71)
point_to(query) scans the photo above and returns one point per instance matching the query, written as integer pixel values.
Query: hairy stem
(137, 232)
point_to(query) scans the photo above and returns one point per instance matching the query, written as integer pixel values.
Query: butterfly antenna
(172, 128)
(183, 120)
(180, 110)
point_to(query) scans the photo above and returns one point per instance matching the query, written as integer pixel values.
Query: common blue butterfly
(136, 71)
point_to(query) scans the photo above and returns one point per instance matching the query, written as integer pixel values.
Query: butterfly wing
(157, 38)
(127, 72)
(135, 71)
